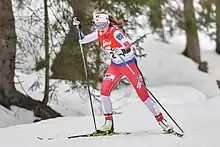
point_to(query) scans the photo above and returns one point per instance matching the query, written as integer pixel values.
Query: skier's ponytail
(114, 21)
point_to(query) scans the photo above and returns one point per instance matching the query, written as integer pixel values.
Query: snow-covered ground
(165, 65)
(199, 119)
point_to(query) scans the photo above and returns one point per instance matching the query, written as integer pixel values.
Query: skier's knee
(105, 92)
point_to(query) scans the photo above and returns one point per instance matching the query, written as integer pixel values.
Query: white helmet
(100, 17)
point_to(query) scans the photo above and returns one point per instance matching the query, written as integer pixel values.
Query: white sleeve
(122, 39)
(89, 38)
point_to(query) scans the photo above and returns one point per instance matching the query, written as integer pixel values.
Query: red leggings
(114, 74)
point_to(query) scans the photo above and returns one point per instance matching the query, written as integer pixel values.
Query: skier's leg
(144, 95)
(112, 77)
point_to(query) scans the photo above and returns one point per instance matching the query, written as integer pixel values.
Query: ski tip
(178, 134)
(175, 133)
(40, 138)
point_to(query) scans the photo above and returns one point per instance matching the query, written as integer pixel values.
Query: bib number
(114, 56)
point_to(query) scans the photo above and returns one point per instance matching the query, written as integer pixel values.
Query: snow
(201, 128)
(213, 63)
(15, 116)
(165, 65)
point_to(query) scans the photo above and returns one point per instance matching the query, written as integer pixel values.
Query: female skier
(116, 43)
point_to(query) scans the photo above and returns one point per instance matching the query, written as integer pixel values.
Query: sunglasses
(102, 26)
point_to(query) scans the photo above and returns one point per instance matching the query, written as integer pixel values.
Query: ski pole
(150, 93)
(76, 23)
(142, 37)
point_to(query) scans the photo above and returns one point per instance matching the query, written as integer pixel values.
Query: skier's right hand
(76, 22)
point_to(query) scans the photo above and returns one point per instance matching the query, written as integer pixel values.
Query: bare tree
(8, 93)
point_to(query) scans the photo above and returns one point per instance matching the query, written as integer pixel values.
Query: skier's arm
(122, 39)
(89, 38)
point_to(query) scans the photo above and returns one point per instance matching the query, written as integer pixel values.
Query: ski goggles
(102, 26)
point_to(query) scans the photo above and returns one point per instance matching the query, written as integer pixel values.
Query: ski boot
(164, 124)
(108, 127)
(166, 127)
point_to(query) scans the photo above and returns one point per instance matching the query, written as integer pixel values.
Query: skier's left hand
(118, 51)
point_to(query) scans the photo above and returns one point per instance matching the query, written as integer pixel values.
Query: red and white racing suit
(112, 39)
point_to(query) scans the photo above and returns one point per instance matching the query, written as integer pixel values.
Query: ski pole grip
(75, 21)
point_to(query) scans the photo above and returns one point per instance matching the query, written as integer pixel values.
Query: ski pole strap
(80, 34)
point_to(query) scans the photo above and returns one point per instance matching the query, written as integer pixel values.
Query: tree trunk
(192, 46)
(218, 83)
(47, 55)
(217, 19)
(8, 93)
(68, 63)
(155, 17)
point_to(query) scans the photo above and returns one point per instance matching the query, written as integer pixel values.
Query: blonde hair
(113, 20)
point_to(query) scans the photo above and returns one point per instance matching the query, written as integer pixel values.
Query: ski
(178, 134)
(94, 134)
(101, 133)
(175, 134)
(97, 134)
